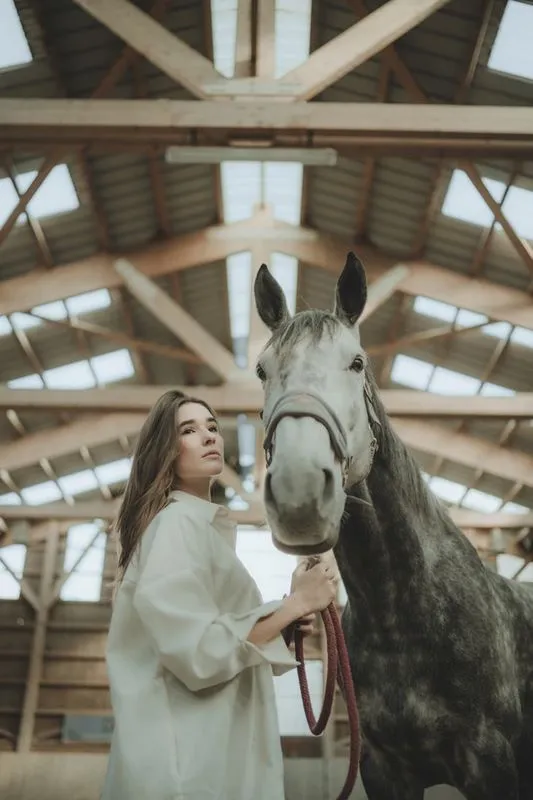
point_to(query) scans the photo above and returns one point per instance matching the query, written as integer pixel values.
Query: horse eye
(260, 372)
(357, 364)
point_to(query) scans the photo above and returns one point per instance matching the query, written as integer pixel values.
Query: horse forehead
(312, 354)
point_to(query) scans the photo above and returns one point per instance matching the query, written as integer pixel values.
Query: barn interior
(153, 154)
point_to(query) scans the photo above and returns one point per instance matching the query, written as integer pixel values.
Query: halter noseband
(309, 404)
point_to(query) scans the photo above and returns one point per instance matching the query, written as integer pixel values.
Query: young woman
(192, 647)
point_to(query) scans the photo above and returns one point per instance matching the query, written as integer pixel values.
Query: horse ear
(350, 295)
(269, 299)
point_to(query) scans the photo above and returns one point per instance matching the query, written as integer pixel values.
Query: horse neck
(387, 534)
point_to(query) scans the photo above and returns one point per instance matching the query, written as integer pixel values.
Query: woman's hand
(306, 625)
(313, 588)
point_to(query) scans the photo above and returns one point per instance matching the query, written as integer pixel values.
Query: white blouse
(193, 700)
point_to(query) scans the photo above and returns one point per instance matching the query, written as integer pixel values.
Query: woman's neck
(199, 488)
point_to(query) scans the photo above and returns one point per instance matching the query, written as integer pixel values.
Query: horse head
(318, 433)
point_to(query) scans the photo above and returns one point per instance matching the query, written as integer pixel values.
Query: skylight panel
(15, 557)
(246, 439)
(23, 321)
(481, 501)
(78, 482)
(447, 490)
(499, 330)
(114, 366)
(10, 499)
(41, 493)
(434, 308)
(26, 382)
(283, 190)
(467, 319)
(239, 274)
(464, 202)
(54, 310)
(522, 336)
(411, 372)
(293, 28)
(511, 52)
(77, 375)
(113, 472)
(88, 301)
(5, 326)
(515, 508)
(447, 381)
(495, 390)
(285, 270)
(241, 189)
(14, 48)
(85, 584)
(224, 27)
(56, 195)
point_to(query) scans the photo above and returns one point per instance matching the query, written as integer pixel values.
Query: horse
(440, 647)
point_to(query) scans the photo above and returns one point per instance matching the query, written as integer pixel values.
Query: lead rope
(338, 668)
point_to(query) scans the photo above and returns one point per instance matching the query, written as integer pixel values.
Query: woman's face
(201, 447)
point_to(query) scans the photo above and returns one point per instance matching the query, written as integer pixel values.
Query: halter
(309, 404)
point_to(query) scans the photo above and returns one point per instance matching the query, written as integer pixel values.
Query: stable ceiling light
(309, 156)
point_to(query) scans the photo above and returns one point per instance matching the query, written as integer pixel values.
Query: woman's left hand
(306, 625)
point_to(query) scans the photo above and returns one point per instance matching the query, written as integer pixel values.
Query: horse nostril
(328, 483)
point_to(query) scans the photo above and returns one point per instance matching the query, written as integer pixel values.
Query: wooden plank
(181, 323)
(436, 123)
(248, 398)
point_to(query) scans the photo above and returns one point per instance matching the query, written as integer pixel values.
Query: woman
(192, 647)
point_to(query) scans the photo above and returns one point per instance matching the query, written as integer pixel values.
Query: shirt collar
(211, 510)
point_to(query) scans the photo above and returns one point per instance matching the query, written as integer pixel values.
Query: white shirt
(193, 700)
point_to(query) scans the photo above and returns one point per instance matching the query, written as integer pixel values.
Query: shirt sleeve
(200, 645)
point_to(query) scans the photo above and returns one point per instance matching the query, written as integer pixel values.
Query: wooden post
(31, 697)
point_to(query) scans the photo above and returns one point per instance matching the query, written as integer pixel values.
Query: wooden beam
(139, 30)
(177, 320)
(358, 44)
(498, 302)
(99, 509)
(243, 40)
(31, 696)
(511, 465)
(382, 289)
(247, 398)
(445, 127)
(265, 39)
(55, 442)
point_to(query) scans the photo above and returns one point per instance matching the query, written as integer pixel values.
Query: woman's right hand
(314, 588)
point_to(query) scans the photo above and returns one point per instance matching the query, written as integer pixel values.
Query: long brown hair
(153, 475)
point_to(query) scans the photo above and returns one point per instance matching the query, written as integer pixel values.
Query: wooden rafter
(139, 30)
(497, 302)
(358, 44)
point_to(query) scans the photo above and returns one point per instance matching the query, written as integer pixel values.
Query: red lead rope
(338, 668)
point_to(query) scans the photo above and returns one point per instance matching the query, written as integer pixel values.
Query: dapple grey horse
(441, 648)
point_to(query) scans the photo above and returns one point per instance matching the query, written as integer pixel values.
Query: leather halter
(309, 404)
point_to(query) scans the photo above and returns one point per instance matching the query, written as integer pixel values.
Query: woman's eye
(187, 430)
(357, 364)
(260, 372)
(213, 429)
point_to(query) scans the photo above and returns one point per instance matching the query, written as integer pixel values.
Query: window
(41, 493)
(56, 195)
(447, 381)
(10, 499)
(109, 367)
(58, 309)
(481, 501)
(270, 568)
(78, 482)
(464, 202)
(86, 582)
(114, 471)
(14, 48)
(512, 51)
(15, 556)
(449, 491)
(411, 372)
